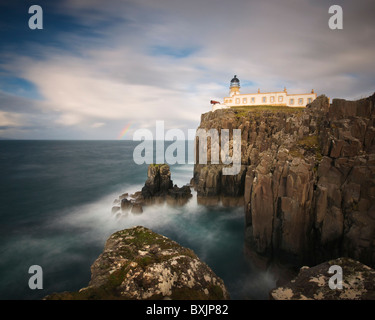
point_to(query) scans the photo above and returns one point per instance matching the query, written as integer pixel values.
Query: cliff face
(307, 179)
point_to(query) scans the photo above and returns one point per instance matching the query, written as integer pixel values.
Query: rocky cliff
(140, 264)
(158, 189)
(307, 179)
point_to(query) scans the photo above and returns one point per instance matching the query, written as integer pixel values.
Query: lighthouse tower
(234, 87)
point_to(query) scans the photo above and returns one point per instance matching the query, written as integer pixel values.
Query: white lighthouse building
(279, 98)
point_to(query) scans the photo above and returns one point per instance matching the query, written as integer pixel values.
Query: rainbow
(124, 131)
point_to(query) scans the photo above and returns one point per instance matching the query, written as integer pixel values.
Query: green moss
(245, 110)
(127, 252)
(241, 114)
(143, 238)
(144, 261)
(295, 153)
(310, 144)
(116, 278)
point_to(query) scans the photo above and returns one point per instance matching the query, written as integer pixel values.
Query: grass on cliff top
(244, 110)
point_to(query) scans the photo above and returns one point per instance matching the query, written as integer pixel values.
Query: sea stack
(158, 189)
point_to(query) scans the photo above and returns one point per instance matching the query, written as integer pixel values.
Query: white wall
(238, 100)
(218, 106)
(300, 100)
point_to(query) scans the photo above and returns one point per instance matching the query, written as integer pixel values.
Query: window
(291, 101)
(272, 99)
(280, 99)
(252, 100)
(300, 101)
(264, 99)
(230, 101)
(237, 100)
(244, 100)
(309, 100)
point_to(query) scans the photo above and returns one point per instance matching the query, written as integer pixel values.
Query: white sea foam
(212, 232)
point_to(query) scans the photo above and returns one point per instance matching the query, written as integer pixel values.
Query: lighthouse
(234, 87)
(275, 98)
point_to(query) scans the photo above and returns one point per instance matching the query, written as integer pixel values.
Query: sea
(55, 212)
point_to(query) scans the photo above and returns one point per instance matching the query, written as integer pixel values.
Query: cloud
(98, 124)
(8, 119)
(165, 60)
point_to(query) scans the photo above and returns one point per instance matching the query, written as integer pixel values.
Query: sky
(103, 69)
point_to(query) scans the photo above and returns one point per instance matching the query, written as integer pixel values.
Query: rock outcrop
(139, 264)
(158, 188)
(307, 179)
(358, 283)
(158, 181)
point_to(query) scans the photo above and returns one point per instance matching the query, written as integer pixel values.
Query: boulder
(138, 264)
(358, 283)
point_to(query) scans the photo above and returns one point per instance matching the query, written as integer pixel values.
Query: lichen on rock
(138, 263)
(358, 283)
